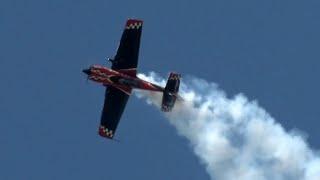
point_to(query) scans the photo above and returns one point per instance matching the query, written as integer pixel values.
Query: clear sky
(49, 115)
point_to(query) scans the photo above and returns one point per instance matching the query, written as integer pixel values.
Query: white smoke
(235, 138)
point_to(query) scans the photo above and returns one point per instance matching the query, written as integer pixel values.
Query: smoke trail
(235, 138)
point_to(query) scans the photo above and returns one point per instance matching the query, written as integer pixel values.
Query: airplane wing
(114, 105)
(128, 50)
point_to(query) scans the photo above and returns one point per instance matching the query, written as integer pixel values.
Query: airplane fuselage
(124, 80)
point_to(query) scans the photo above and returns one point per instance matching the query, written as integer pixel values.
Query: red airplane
(121, 79)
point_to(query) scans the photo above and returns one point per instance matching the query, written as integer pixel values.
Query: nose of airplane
(86, 71)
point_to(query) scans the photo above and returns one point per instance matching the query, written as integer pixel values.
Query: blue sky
(49, 115)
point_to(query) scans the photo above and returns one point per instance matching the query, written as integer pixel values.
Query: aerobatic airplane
(121, 79)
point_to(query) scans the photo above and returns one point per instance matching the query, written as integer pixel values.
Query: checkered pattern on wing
(133, 24)
(103, 131)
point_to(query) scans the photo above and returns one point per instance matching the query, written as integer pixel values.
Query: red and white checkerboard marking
(103, 131)
(134, 24)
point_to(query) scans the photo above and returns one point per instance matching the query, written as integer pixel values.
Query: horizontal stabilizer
(170, 93)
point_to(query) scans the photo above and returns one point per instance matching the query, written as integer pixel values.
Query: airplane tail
(170, 93)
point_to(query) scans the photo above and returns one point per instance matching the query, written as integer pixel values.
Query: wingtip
(134, 24)
(131, 20)
(104, 132)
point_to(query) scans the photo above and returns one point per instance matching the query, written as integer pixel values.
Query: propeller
(87, 72)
